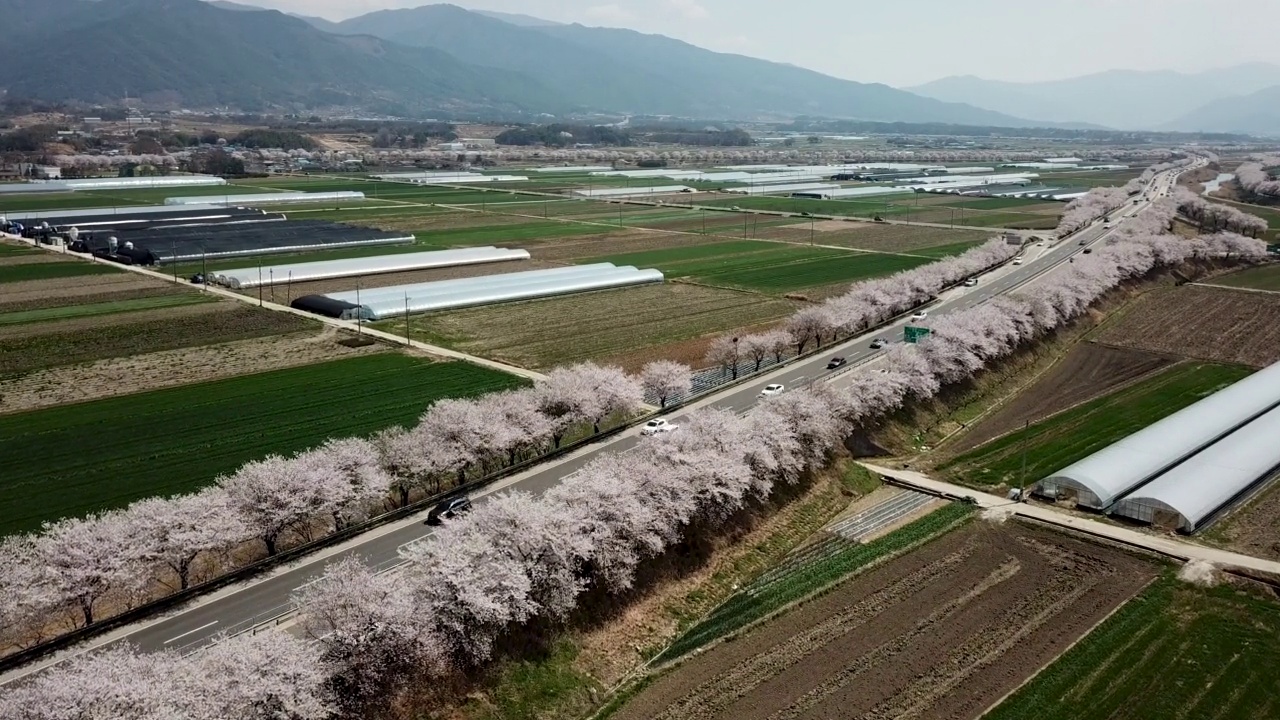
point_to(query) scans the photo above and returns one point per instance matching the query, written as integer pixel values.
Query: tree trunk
(759, 359)
(557, 438)
(404, 496)
(184, 572)
(86, 606)
(270, 541)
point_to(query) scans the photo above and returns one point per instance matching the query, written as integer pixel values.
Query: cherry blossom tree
(566, 397)
(808, 325)
(726, 352)
(665, 380)
(348, 469)
(524, 428)
(175, 531)
(401, 458)
(277, 494)
(86, 558)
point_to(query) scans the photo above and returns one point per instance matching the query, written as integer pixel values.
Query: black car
(878, 343)
(835, 363)
(1086, 251)
(448, 510)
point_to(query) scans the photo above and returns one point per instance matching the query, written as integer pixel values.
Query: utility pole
(406, 319)
(1026, 431)
(259, 282)
(271, 273)
(811, 231)
(359, 310)
(288, 290)
(204, 270)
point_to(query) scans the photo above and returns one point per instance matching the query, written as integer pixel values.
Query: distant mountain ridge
(1122, 99)
(439, 60)
(1254, 114)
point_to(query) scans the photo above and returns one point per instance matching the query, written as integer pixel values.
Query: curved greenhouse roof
(1199, 487)
(261, 198)
(352, 267)
(1105, 476)
(379, 303)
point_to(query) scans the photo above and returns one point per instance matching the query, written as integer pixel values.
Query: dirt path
(938, 633)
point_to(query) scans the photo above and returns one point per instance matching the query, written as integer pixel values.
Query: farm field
(1175, 651)
(603, 325)
(107, 308)
(940, 632)
(877, 237)
(114, 198)
(1069, 436)
(1089, 371)
(1205, 323)
(1266, 277)
(51, 267)
(107, 453)
(34, 346)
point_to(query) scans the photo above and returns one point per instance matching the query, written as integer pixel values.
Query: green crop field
(822, 270)
(948, 250)
(1175, 651)
(1072, 435)
(76, 459)
(1266, 277)
(52, 271)
(508, 233)
(105, 308)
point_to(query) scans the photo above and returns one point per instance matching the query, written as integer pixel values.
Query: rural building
(1101, 480)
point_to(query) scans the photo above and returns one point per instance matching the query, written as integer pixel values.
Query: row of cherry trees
(520, 559)
(1253, 176)
(864, 306)
(157, 545)
(1216, 216)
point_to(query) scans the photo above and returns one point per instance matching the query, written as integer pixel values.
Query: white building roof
(356, 267)
(262, 198)
(1109, 474)
(781, 189)
(626, 192)
(843, 192)
(573, 169)
(1201, 485)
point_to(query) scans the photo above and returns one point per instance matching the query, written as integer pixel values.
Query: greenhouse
(632, 191)
(1102, 478)
(271, 234)
(263, 198)
(782, 189)
(357, 267)
(1194, 492)
(146, 213)
(385, 302)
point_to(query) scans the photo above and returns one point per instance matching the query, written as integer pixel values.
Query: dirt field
(34, 294)
(1203, 323)
(615, 243)
(36, 346)
(1251, 529)
(942, 632)
(152, 371)
(1087, 372)
(599, 325)
(283, 292)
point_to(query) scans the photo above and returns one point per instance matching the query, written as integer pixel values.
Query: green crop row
(755, 603)
(52, 271)
(105, 308)
(74, 459)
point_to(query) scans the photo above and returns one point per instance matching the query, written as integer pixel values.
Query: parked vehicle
(835, 363)
(448, 510)
(658, 426)
(771, 390)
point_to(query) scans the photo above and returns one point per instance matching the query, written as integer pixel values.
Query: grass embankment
(1266, 277)
(90, 456)
(1175, 651)
(1072, 435)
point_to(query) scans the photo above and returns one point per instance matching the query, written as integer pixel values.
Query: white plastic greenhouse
(355, 267)
(262, 198)
(380, 303)
(781, 189)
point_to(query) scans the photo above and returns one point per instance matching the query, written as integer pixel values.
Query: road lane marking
(202, 627)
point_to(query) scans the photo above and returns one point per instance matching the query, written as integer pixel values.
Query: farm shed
(1101, 479)
(385, 302)
(1198, 489)
(260, 198)
(355, 267)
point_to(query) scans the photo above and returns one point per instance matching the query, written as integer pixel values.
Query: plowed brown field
(1206, 323)
(942, 632)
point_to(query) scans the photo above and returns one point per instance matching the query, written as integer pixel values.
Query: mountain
(516, 19)
(1124, 99)
(196, 54)
(630, 72)
(1254, 114)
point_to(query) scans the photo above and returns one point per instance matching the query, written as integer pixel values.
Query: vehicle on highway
(448, 510)
(1017, 260)
(1084, 242)
(835, 363)
(657, 427)
(971, 282)
(920, 315)
(1086, 251)
(771, 390)
(878, 343)
(1106, 224)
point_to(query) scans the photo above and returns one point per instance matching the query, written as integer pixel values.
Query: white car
(1017, 261)
(657, 427)
(971, 282)
(771, 390)
(922, 315)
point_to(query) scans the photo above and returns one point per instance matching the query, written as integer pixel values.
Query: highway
(260, 602)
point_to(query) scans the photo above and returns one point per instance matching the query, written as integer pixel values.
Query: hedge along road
(107, 453)
(237, 607)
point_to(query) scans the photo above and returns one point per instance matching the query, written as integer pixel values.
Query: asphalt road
(238, 608)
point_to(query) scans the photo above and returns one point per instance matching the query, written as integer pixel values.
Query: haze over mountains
(1233, 99)
(444, 61)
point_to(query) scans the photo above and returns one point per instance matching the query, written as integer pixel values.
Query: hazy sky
(905, 42)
